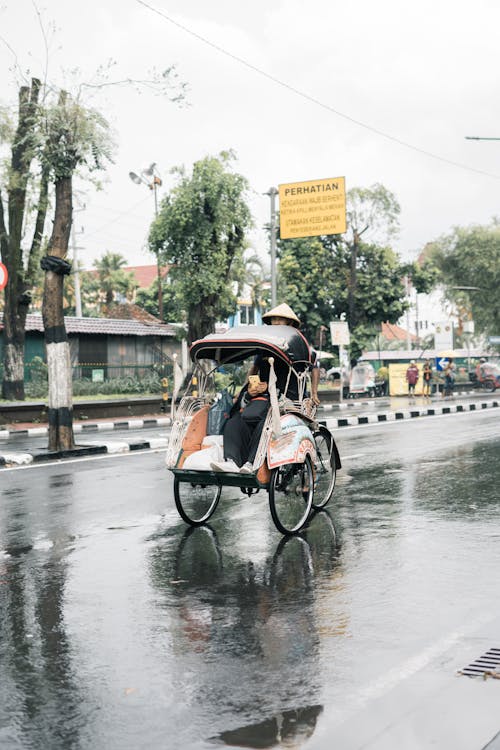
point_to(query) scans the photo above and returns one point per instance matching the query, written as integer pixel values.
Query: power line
(313, 99)
(117, 218)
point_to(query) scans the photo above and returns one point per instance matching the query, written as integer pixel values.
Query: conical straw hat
(282, 311)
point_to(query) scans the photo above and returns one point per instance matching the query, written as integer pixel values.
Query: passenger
(244, 427)
(480, 369)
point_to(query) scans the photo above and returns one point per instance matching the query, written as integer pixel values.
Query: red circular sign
(4, 276)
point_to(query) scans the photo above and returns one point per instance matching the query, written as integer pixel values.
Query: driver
(243, 429)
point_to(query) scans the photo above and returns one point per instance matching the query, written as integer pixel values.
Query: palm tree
(252, 275)
(112, 280)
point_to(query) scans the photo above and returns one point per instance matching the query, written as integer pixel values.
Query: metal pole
(408, 339)
(272, 193)
(76, 275)
(158, 264)
(341, 364)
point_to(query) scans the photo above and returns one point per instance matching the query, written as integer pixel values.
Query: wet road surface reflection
(120, 627)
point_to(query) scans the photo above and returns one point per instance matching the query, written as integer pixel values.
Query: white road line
(100, 457)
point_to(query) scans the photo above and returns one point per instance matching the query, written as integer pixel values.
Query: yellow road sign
(309, 209)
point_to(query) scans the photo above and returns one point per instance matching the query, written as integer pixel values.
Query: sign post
(313, 208)
(339, 332)
(4, 276)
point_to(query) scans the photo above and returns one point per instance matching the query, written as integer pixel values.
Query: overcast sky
(424, 74)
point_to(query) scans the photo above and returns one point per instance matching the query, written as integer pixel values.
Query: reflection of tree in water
(469, 488)
(247, 633)
(38, 696)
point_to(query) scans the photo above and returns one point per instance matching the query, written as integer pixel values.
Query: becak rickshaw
(296, 459)
(362, 381)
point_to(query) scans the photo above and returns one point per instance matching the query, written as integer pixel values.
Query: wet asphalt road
(121, 628)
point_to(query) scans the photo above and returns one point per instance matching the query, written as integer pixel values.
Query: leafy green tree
(327, 277)
(75, 137)
(470, 257)
(310, 281)
(423, 275)
(200, 232)
(374, 211)
(172, 309)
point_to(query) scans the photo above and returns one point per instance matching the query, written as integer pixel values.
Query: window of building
(247, 315)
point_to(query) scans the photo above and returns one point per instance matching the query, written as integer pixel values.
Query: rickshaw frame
(289, 346)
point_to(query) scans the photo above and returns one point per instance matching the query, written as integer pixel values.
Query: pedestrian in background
(383, 375)
(412, 378)
(449, 378)
(427, 379)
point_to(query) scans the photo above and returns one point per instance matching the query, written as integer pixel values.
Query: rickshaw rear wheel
(291, 491)
(326, 469)
(196, 503)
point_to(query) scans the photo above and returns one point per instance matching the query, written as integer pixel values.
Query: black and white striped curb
(84, 427)
(13, 458)
(412, 413)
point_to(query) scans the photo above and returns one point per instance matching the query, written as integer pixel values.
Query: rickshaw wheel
(489, 385)
(196, 503)
(326, 469)
(290, 496)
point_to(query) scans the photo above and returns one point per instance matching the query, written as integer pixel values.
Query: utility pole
(152, 179)
(272, 193)
(76, 268)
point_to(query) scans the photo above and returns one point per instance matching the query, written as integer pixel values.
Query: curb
(129, 424)
(390, 416)
(91, 448)
(11, 458)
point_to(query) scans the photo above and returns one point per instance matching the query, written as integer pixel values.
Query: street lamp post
(151, 178)
(272, 193)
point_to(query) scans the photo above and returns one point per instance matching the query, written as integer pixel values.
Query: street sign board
(494, 339)
(443, 335)
(312, 208)
(441, 363)
(339, 332)
(4, 276)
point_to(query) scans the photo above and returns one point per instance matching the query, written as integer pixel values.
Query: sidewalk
(350, 413)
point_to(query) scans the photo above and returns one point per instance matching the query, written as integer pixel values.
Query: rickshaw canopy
(284, 342)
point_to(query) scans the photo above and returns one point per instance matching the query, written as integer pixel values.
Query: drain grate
(487, 665)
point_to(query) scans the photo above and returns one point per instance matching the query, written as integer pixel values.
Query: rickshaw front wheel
(290, 496)
(196, 503)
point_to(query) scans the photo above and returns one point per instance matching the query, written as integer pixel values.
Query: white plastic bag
(201, 460)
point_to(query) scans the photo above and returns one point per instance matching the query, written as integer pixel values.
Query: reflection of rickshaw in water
(269, 602)
(296, 459)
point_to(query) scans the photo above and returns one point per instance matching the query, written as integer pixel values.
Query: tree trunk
(16, 299)
(60, 413)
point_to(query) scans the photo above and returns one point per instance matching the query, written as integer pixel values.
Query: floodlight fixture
(149, 172)
(135, 178)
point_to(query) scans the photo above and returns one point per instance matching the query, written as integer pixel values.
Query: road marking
(103, 456)
(394, 676)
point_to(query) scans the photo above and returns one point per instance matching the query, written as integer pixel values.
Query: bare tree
(21, 263)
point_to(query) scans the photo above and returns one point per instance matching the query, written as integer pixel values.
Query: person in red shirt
(412, 377)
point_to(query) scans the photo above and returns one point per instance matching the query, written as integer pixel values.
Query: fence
(100, 378)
